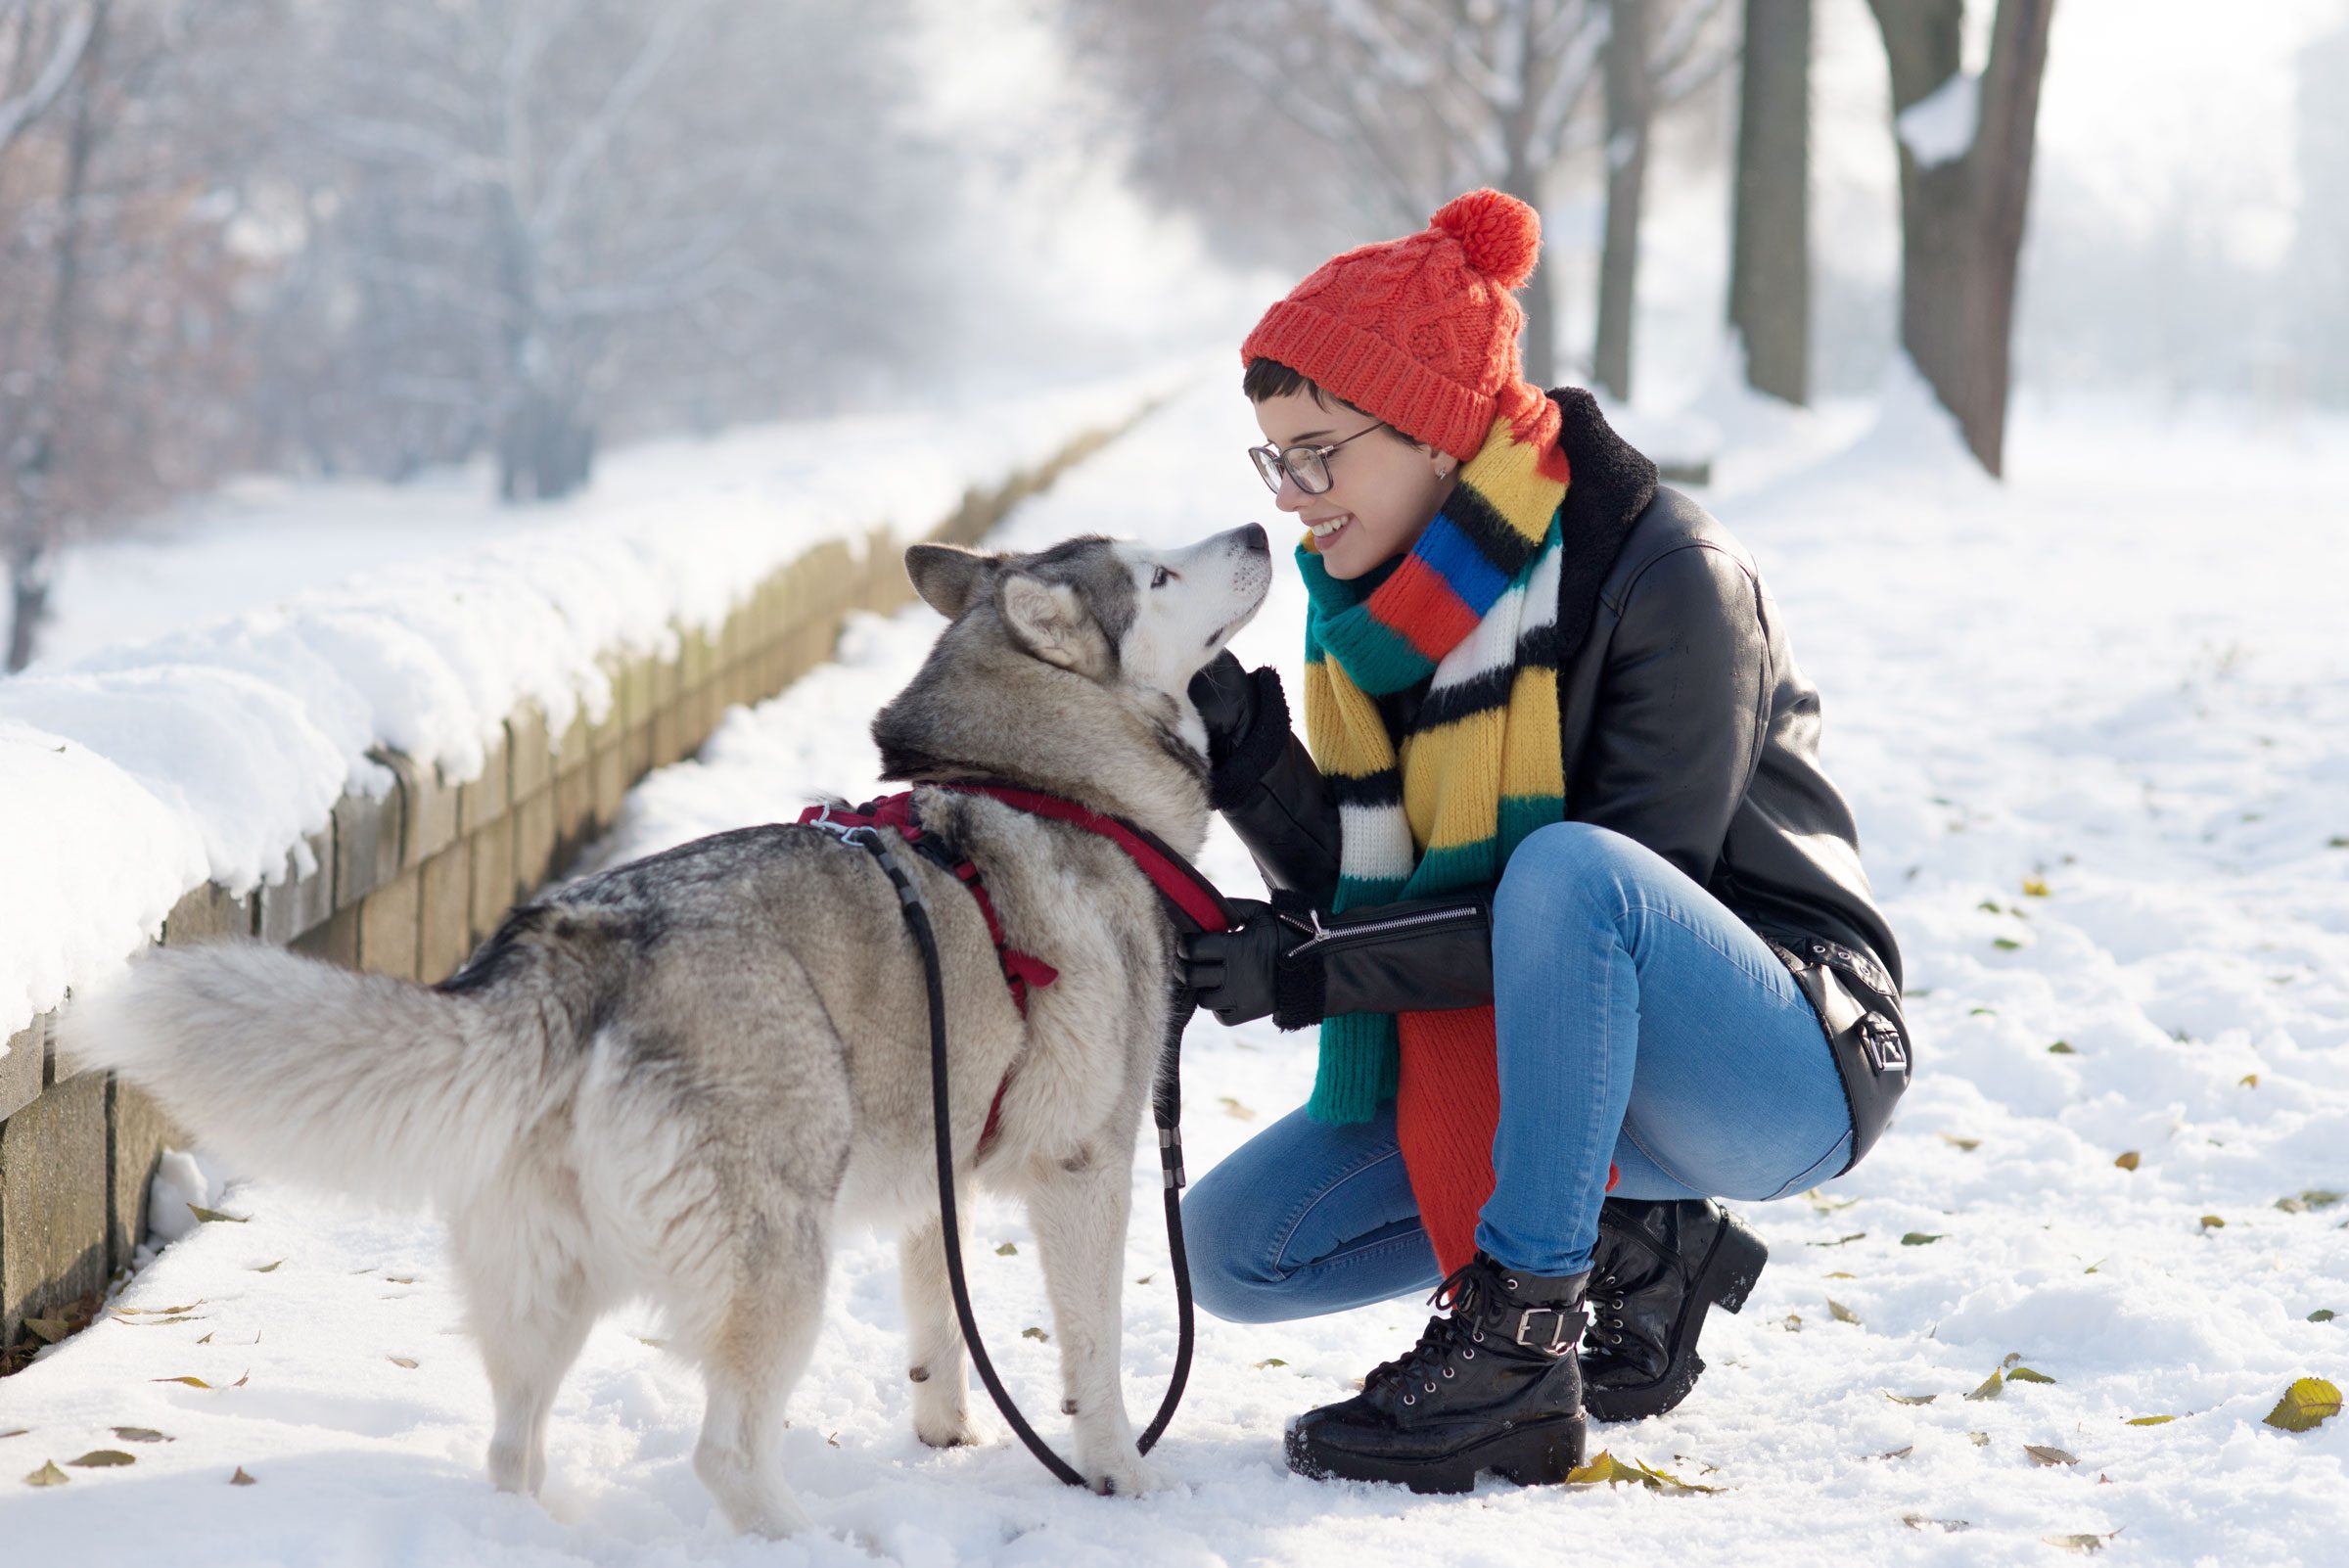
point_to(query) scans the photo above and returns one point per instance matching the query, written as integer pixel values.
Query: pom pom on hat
(1501, 234)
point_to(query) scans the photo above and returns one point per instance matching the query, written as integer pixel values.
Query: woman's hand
(1235, 974)
(1226, 696)
(1297, 965)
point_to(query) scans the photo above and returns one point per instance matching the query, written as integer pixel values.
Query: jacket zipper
(1326, 938)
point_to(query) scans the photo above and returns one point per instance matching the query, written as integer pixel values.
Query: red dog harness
(1021, 970)
(1192, 897)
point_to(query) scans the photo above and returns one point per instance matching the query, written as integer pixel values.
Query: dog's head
(1068, 671)
(1110, 611)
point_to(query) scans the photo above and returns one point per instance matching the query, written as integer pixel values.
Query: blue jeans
(1639, 1022)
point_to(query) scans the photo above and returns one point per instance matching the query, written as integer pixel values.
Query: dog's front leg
(1078, 1208)
(941, 1390)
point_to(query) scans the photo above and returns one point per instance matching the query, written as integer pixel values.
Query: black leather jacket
(1685, 726)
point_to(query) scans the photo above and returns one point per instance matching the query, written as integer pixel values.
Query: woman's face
(1383, 488)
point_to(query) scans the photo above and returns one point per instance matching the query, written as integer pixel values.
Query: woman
(1560, 881)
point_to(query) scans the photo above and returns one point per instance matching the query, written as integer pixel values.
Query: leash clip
(822, 822)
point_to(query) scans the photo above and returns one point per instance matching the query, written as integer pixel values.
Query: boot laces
(1458, 1297)
(1606, 1334)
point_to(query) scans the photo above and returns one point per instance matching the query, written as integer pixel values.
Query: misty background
(352, 241)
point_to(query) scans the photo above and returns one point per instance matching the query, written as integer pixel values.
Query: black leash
(1165, 1106)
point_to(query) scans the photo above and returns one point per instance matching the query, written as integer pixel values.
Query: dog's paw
(947, 1429)
(775, 1518)
(1128, 1476)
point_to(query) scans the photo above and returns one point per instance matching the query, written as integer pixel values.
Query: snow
(2119, 676)
(209, 698)
(180, 1188)
(1938, 127)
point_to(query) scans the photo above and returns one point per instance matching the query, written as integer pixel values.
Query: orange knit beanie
(1422, 331)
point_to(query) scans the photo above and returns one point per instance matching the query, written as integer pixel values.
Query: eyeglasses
(1309, 466)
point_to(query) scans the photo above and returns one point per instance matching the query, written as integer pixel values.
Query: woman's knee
(1297, 1220)
(1233, 1273)
(1559, 870)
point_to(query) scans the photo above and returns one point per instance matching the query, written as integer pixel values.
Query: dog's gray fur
(668, 1079)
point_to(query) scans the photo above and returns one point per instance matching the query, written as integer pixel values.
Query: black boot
(1656, 1268)
(1493, 1385)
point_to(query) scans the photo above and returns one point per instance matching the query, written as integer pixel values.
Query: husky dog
(666, 1079)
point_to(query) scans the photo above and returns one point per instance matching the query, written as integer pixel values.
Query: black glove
(1236, 974)
(1247, 719)
(1226, 696)
(1297, 965)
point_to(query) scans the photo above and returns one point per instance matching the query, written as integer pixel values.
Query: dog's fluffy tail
(377, 1088)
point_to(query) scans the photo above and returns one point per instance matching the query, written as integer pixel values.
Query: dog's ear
(1050, 620)
(947, 575)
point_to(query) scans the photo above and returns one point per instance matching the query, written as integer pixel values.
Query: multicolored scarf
(1474, 605)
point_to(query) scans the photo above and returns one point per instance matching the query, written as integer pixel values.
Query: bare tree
(43, 49)
(1371, 114)
(117, 276)
(1204, 136)
(1658, 52)
(480, 136)
(1418, 100)
(338, 233)
(2320, 260)
(1965, 198)
(540, 199)
(1631, 114)
(1770, 256)
(41, 72)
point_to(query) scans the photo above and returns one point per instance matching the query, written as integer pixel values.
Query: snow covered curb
(219, 754)
(375, 773)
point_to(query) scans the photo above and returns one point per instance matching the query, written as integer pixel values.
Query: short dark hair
(1270, 378)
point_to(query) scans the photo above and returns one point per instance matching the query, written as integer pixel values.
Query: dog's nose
(1253, 541)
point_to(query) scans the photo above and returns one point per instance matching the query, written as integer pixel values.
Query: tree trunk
(544, 450)
(1961, 223)
(1523, 181)
(1630, 106)
(27, 603)
(1540, 298)
(1769, 254)
(2004, 146)
(1541, 347)
(34, 526)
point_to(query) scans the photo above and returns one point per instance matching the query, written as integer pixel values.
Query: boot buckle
(1568, 1328)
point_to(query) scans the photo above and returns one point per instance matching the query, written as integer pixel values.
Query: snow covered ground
(2096, 728)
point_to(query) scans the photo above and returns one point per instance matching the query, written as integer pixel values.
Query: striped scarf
(1474, 605)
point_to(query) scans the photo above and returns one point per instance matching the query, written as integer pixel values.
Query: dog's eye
(1160, 578)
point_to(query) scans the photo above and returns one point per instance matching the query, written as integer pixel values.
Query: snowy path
(2122, 680)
